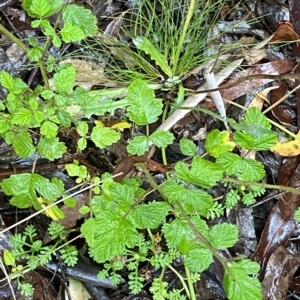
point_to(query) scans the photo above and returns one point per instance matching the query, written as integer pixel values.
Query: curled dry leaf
(285, 32)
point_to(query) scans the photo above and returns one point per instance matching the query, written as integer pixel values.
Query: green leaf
(46, 189)
(82, 128)
(51, 148)
(250, 142)
(143, 108)
(49, 129)
(22, 144)
(35, 53)
(149, 215)
(104, 136)
(161, 138)
(84, 209)
(64, 118)
(64, 79)
(9, 258)
(238, 285)
(218, 143)
(145, 45)
(40, 8)
(223, 236)
(203, 173)
(6, 80)
(187, 147)
(71, 33)
(22, 116)
(81, 17)
(138, 145)
(109, 239)
(297, 214)
(56, 41)
(55, 6)
(5, 125)
(192, 200)
(198, 260)
(82, 143)
(243, 169)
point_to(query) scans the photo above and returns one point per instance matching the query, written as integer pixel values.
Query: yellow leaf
(291, 148)
(121, 125)
(53, 212)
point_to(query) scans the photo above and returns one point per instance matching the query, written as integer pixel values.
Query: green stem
(265, 185)
(187, 288)
(190, 283)
(26, 49)
(182, 37)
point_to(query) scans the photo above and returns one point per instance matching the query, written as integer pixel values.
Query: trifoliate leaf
(49, 129)
(187, 147)
(104, 136)
(22, 144)
(243, 169)
(55, 6)
(223, 236)
(149, 215)
(145, 45)
(51, 148)
(210, 172)
(64, 79)
(198, 260)
(22, 116)
(218, 143)
(71, 33)
(161, 138)
(138, 145)
(81, 17)
(143, 108)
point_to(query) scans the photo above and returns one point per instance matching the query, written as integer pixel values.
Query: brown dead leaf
(271, 68)
(285, 32)
(279, 272)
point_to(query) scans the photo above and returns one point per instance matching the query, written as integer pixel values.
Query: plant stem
(26, 49)
(182, 37)
(265, 185)
(187, 290)
(190, 283)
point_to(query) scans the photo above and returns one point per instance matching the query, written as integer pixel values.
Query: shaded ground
(268, 232)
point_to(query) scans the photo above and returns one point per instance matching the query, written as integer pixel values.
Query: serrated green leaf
(84, 209)
(250, 142)
(55, 6)
(223, 236)
(56, 41)
(143, 108)
(145, 45)
(82, 128)
(82, 143)
(45, 188)
(83, 18)
(6, 80)
(22, 116)
(238, 285)
(35, 53)
(187, 147)
(202, 172)
(217, 143)
(5, 125)
(244, 169)
(49, 129)
(104, 136)
(33, 103)
(40, 8)
(149, 215)
(64, 79)
(22, 144)
(51, 148)
(198, 260)
(138, 145)
(109, 239)
(64, 118)
(161, 138)
(192, 200)
(71, 33)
